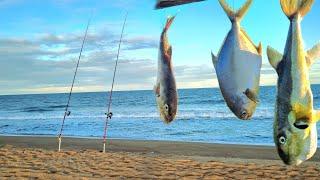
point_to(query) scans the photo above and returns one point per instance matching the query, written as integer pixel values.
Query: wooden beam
(169, 3)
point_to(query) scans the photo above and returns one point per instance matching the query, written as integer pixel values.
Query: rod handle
(59, 148)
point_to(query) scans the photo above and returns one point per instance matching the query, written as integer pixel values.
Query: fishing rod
(67, 112)
(109, 113)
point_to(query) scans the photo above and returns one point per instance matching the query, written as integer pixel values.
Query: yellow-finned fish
(295, 132)
(238, 66)
(165, 88)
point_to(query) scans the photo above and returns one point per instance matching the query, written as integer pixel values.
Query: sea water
(202, 116)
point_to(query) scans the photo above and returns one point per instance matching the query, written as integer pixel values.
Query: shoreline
(128, 139)
(37, 158)
(237, 151)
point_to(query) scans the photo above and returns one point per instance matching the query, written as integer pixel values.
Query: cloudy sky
(40, 42)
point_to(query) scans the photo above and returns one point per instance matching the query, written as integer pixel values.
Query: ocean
(203, 117)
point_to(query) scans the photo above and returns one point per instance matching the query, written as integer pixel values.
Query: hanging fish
(169, 3)
(165, 88)
(295, 132)
(238, 66)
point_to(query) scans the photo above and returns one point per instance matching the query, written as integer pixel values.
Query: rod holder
(59, 148)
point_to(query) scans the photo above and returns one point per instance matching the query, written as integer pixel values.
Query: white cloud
(46, 65)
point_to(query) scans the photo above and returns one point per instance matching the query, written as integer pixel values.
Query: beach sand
(37, 157)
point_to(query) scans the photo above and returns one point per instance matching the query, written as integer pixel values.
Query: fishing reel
(109, 115)
(67, 113)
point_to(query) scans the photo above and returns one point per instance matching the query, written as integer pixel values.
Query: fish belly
(239, 70)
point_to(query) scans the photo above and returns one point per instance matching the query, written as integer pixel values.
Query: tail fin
(293, 7)
(235, 15)
(168, 23)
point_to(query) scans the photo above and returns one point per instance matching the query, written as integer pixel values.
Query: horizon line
(119, 91)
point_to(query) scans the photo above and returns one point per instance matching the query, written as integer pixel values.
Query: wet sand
(37, 157)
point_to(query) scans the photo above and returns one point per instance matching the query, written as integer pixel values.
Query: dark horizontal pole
(170, 3)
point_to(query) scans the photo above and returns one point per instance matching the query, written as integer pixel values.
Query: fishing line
(233, 8)
(109, 113)
(233, 5)
(67, 112)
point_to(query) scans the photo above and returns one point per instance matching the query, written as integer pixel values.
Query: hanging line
(233, 8)
(67, 112)
(109, 113)
(233, 5)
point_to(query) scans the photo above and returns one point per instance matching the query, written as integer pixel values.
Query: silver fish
(165, 88)
(169, 3)
(238, 66)
(295, 132)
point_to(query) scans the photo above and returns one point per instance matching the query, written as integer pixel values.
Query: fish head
(168, 111)
(296, 142)
(242, 106)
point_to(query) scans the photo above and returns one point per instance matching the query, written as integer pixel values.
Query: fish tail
(168, 23)
(235, 15)
(291, 8)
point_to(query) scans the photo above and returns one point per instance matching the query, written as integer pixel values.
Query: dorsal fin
(235, 15)
(293, 7)
(214, 59)
(313, 54)
(316, 116)
(259, 48)
(274, 57)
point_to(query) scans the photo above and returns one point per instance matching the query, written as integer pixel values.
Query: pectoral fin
(214, 59)
(274, 57)
(169, 52)
(157, 90)
(313, 54)
(251, 95)
(316, 116)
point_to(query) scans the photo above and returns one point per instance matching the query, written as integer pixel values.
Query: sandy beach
(37, 158)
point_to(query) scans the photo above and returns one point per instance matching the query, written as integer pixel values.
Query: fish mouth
(245, 118)
(168, 120)
(292, 162)
(286, 159)
(245, 115)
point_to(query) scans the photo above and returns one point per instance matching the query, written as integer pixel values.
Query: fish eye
(244, 113)
(282, 140)
(166, 106)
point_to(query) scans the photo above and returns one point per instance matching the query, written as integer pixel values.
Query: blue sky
(40, 41)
